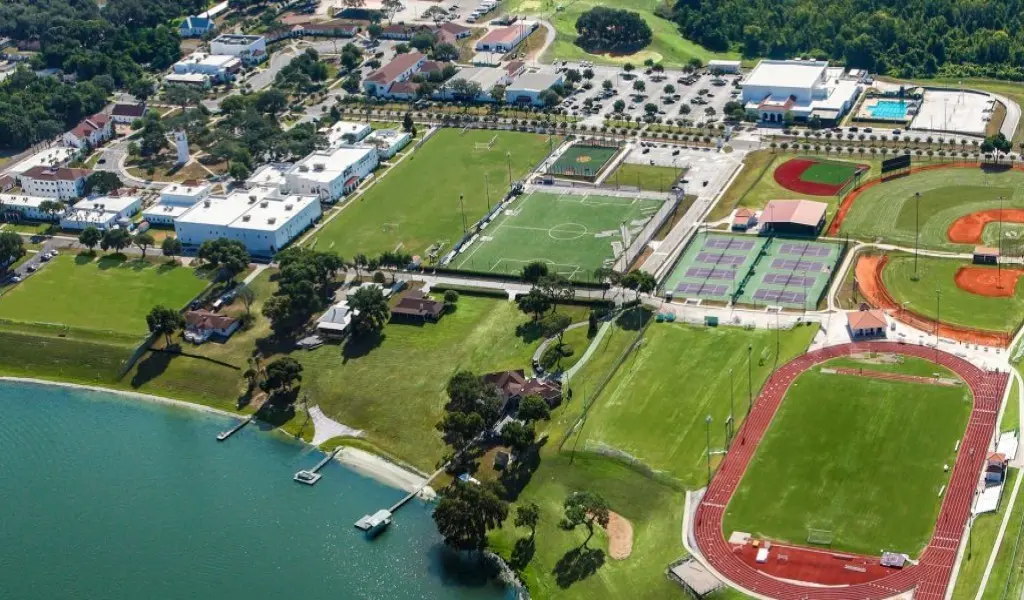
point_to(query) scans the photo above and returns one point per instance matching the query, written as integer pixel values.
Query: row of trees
(115, 239)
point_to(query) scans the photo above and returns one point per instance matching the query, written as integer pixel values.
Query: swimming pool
(889, 109)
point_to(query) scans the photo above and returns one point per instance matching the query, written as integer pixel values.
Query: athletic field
(416, 203)
(583, 161)
(858, 457)
(573, 233)
(888, 211)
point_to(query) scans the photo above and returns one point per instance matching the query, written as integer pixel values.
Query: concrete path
(594, 343)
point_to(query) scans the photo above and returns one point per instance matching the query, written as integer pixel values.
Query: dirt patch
(967, 229)
(869, 280)
(986, 281)
(620, 536)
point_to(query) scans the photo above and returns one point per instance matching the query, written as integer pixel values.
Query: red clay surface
(930, 577)
(869, 282)
(823, 567)
(987, 281)
(790, 176)
(887, 376)
(967, 229)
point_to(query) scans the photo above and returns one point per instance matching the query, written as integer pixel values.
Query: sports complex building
(803, 88)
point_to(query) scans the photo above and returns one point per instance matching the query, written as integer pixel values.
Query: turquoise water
(889, 109)
(105, 497)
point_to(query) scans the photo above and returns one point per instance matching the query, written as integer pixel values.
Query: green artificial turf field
(646, 177)
(957, 306)
(832, 173)
(106, 295)
(888, 211)
(875, 449)
(572, 233)
(417, 203)
(654, 407)
(582, 161)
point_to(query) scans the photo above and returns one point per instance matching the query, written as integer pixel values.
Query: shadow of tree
(522, 553)
(517, 476)
(529, 331)
(278, 409)
(576, 565)
(151, 367)
(633, 319)
(360, 346)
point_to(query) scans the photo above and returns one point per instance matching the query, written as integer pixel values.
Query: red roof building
(92, 131)
(796, 217)
(401, 68)
(866, 323)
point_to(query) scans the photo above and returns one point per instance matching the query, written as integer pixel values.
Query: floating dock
(375, 523)
(230, 432)
(311, 476)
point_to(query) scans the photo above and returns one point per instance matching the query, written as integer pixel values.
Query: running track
(931, 575)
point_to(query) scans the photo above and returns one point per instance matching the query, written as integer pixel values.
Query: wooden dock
(311, 476)
(230, 432)
(382, 518)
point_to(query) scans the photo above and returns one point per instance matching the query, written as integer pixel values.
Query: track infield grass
(572, 233)
(953, 305)
(417, 203)
(835, 437)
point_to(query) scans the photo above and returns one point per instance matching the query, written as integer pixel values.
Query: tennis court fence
(639, 243)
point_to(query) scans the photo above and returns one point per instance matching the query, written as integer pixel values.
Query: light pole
(487, 191)
(707, 423)
(999, 247)
(917, 228)
(750, 379)
(938, 317)
(508, 161)
(462, 207)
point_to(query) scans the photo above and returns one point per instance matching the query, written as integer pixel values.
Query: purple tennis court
(721, 259)
(780, 296)
(727, 243)
(702, 273)
(785, 264)
(790, 280)
(805, 250)
(701, 289)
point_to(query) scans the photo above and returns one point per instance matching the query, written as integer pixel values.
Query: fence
(636, 248)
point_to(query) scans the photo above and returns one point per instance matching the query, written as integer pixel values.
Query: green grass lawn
(832, 173)
(105, 294)
(889, 211)
(834, 436)
(645, 177)
(1006, 581)
(1011, 414)
(572, 233)
(956, 306)
(417, 203)
(654, 407)
(583, 160)
(983, 538)
(667, 47)
(755, 185)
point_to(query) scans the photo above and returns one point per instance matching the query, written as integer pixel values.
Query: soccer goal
(487, 145)
(389, 227)
(819, 537)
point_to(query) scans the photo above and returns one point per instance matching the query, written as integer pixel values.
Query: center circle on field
(584, 158)
(564, 232)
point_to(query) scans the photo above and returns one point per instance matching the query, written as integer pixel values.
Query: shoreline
(360, 461)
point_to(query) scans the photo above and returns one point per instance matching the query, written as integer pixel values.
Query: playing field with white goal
(486, 145)
(574, 233)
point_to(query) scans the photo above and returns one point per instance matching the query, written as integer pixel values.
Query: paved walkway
(325, 428)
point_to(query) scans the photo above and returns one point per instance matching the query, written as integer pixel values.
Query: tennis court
(573, 233)
(583, 161)
(791, 274)
(713, 266)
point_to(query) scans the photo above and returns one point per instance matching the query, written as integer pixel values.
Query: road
(114, 156)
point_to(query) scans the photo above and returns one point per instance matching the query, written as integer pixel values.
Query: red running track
(931, 575)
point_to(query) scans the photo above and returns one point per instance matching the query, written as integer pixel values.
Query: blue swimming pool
(889, 109)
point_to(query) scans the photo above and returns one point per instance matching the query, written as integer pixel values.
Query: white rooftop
(342, 128)
(258, 208)
(269, 175)
(786, 73)
(326, 165)
(486, 77)
(51, 157)
(220, 61)
(107, 203)
(187, 77)
(184, 189)
(20, 200)
(535, 81)
(386, 135)
(172, 211)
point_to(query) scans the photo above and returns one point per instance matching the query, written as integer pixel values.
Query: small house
(995, 468)
(502, 459)
(336, 320)
(201, 325)
(127, 113)
(744, 219)
(196, 26)
(866, 324)
(514, 385)
(984, 255)
(414, 305)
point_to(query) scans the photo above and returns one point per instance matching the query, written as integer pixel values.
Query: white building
(270, 175)
(505, 39)
(400, 69)
(800, 87)
(526, 88)
(91, 131)
(336, 320)
(54, 182)
(330, 174)
(175, 199)
(485, 77)
(251, 49)
(261, 218)
(190, 79)
(57, 156)
(346, 132)
(26, 207)
(102, 212)
(388, 141)
(219, 67)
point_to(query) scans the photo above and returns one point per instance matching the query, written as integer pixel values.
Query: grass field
(105, 294)
(668, 46)
(645, 177)
(574, 234)
(956, 306)
(417, 203)
(888, 211)
(832, 173)
(755, 185)
(583, 161)
(983, 537)
(654, 407)
(834, 436)
(1006, 582)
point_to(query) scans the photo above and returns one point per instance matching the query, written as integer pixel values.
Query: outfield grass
(889, 211)
(654, 407)
(572, 233)
(956, 306)
(105, 294)
(983, 533)
(667, 47)
(645, 177)
(834, 436)
(831, 173)
(755, 185)
(417, 203)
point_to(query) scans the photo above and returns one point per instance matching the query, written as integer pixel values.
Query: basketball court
(573, 233)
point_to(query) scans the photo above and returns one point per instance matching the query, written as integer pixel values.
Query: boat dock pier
(378, 521)
(311, 476)
(230, 432)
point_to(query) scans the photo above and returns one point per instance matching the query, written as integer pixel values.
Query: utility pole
(487, 191)
(938, 317)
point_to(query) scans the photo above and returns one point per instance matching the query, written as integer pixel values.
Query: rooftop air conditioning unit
(287, 207)
(271, 221)
(252, 198)
(318, 166)
(303, 168)
(206, 204)
(245, 218)
(264, 204)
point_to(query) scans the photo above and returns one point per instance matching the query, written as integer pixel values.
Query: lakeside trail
(365, 463)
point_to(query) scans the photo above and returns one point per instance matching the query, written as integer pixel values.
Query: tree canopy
(229, 256)
(11, 247)
(164, 321)
(465, 514)
(602, 29)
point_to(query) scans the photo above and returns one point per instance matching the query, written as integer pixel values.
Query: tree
(117, 239)
(164, 321)
(588, 73)
(528, 515)
(373, 310)
(230, 257)
(445, 52)
(554, 324)
(459, 429)
(390, 8)
(628, 68)
(407, 123)
(51, 208)
(651, 109)
(281, 375)
(498, 93)
(239, 172)
(153, 135)
(607, 84)
(435, 13)
(532, 272)
(90, 237)
(573, 76)
(465, 514)
(271, 101)
(171, 246)
(422, 41)
(244, 293)
(997, 143)
(602, 29)
(557, 288)
(101, 182)
(144, 241)
(639, 86)
(182, 95)
(549, 98)
(619, 105)
(12, 247)
(518, 436)
(641, 282)
(451, 297)
(533, 408)
(585, 508)
(534, 302)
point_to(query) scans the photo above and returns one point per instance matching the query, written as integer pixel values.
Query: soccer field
(859, 457)
(573, 233)
(417, 204)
